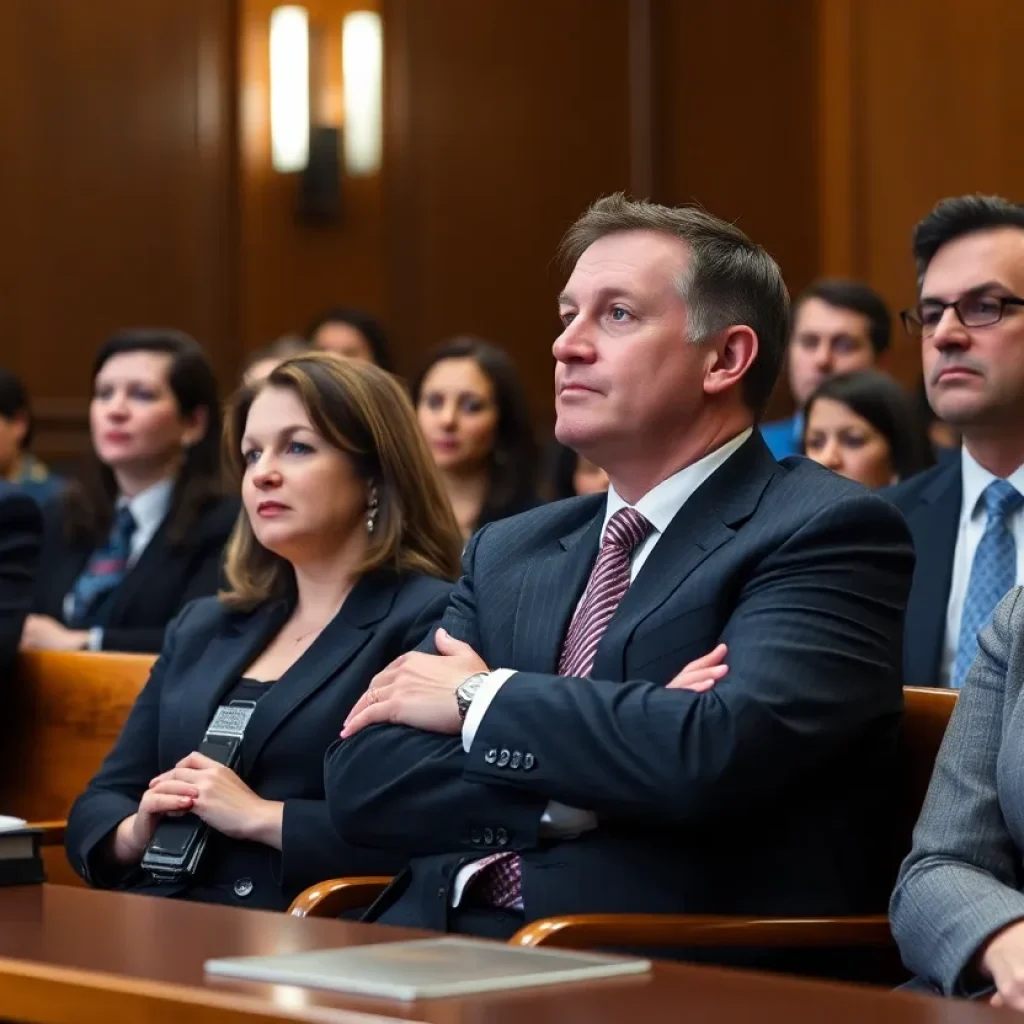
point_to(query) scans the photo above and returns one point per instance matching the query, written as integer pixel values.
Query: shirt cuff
(481, 702)
(562, 821)
(95, 639)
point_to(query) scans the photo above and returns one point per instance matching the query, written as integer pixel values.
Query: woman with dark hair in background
(353, 334)
(863, 426)
(341, 561)
(142, 532)
(17, 464)
(473, 413)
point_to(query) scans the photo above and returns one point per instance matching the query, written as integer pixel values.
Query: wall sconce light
(289, 88)
(362, 65)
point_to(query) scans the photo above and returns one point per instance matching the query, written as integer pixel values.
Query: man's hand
(703, 673)
(1003, 959)
(418, 690)
(225, 802)
(41, 633)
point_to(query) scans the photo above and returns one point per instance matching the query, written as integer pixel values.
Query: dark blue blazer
(206, 651)
(930, 502)
(21, 529)
(153, 591)
(767, 795)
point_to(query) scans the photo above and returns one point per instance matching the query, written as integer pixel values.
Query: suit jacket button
(491, 756)
(475, 835)
(243, 887)
(517, 760)
(503, 758)
(502, 837)
(488, 836)
(440, 893)
(528, 762)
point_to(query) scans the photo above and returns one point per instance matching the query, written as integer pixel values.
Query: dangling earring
(372, 508)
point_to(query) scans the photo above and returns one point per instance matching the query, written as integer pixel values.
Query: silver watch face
(467, 689)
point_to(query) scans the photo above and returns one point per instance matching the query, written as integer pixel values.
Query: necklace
(309, 632)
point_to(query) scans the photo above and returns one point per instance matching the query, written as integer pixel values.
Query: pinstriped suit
(763, 795)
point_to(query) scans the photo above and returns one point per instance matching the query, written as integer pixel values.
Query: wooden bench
(63, 712)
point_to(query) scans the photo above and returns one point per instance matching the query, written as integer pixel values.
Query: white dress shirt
(149, 509)
(659, 507)
(973, 517)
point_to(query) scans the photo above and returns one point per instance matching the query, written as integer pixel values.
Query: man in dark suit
(21, 529)
(548, 756)
(967, 514)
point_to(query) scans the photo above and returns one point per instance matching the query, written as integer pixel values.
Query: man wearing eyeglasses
(967, 514)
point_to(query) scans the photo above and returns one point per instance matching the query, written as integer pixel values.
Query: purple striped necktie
(609, 581)
(499, 881)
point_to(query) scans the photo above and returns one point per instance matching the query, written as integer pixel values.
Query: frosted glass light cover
(362, 63)
(289, 88)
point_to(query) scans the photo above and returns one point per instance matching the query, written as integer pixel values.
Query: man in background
(837, 326)
(966, 514)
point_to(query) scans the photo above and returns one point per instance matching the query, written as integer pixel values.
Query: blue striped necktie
(993, 573)
(103, 572)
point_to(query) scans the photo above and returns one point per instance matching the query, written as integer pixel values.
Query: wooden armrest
(588, 931)
(53, 832)
(330, 898)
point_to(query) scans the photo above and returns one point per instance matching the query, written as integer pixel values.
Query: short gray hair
(730, 280)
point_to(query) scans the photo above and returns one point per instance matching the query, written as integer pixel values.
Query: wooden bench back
(925, 718)
(64, 712)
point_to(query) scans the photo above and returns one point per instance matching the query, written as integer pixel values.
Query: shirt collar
(976, 478)
(661, 503)
(149, 507)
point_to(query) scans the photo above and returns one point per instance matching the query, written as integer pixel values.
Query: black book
(21, 862)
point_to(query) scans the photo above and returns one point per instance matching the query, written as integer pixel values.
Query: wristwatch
(467, 691)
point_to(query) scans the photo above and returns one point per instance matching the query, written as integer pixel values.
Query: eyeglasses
(921, 321)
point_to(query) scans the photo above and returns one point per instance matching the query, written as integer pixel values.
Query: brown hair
(730, 279)
(363, 411)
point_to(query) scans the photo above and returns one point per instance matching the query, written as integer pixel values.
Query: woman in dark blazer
(341, 561)
(142, 532)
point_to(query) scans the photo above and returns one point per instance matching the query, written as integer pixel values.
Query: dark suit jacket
(155, 589)
(768, 794)
(207, 649)
(930, 502)
(21, 528)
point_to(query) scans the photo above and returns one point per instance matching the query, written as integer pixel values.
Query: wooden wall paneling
(837, 142)
(291, 271)
(941, 110)
(514, 116)
(737, 121)
(641, 98)
(117, 189)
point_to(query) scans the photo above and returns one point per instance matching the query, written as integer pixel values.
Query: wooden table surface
(70, 954)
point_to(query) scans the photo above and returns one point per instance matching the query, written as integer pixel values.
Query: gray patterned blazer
(964, 878)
